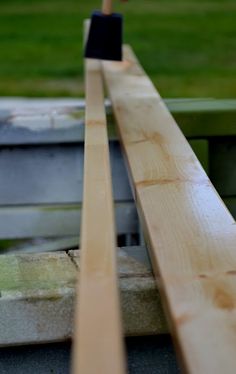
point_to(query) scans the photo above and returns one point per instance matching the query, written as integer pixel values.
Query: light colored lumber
(38, 292)
(98, 343)
(190, 233)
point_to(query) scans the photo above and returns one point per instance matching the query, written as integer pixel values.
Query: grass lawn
(187, 47)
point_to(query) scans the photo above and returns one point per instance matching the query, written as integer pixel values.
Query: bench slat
(38, 292)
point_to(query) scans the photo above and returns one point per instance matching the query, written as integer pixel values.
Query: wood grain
(190, 233)
(98, 346)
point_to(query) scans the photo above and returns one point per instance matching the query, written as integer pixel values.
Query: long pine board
(98, 346)
(190, 234)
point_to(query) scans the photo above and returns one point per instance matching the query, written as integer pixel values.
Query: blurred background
(187, 47)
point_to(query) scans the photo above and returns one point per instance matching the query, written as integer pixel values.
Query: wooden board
(38, 292)
(98, 346)
(190, 234)
(19, 222)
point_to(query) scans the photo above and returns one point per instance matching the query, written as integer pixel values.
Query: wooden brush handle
(107, 7)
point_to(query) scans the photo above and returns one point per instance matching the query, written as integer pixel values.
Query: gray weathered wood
(43, 245)
(50, 220)
(44, 121)
(37, 296)
(52, 174)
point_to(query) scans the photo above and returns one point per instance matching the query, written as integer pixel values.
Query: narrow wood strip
(190, 234)
(98, 346)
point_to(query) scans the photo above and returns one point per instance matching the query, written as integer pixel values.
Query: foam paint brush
(105, 35)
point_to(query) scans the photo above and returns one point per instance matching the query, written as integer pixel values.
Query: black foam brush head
(105, 37)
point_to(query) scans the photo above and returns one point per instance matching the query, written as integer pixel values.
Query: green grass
(187, 47)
